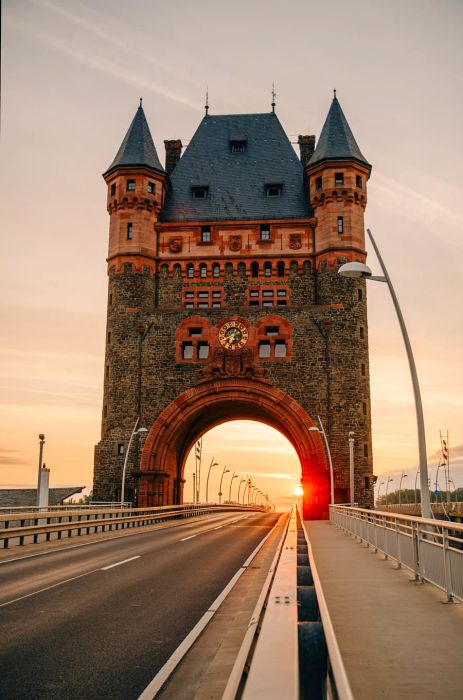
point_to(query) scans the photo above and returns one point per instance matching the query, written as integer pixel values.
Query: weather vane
(273, 98)
(207, 100)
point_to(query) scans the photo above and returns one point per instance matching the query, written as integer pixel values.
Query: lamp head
(355, 270)
(41, 436)
(314, 429)
(142, 430)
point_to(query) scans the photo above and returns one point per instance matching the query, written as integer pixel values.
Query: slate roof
(336, 140)
(236, 181)
(28, 497)
(138, 147)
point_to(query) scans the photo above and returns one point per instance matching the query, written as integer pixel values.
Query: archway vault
(216, 401)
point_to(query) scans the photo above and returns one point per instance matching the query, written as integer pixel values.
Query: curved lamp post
(234, 476)
(380, 483)
(321, 430)
(212, 464)
(389, 479)
(134, 432)
(225, 471)
(360, 270)
(239, 488)
(400, 487)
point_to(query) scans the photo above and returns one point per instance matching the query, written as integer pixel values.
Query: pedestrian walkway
(397, 639)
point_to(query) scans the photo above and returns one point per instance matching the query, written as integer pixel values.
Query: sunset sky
(72, 74)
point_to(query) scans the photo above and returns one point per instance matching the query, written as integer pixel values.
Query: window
(109, 338)
(151, 187)
(216, 270)
(265, 232)
(267, 303)
(189, 305)
(200, 192)
(203, 270)
(205, 234)
(306, 266)
(358, 181)
(367, 482)
(338, 178)
(190, 271)
(267, 292)
(255, 269)
(113, 189)
(107, 371)
(281, 302)
(187, 350)
(253, 302)
(360, 294)
(203, 304)
(228, 268)
(189, 295)
(363, 370)
(120, 448)
(254, 293)
(340, 224)
(203, 350)
(364, 408)
(318, 183)
(105, 411)
(203, 295)
(238, 146)
(264, 348)
(365, 450)
(280, 269)
(280, 348)
(195, 332)
(130, 185)
(281, 292)
(362, 332)
(242, 269)
(293, 267)
(273, 190)
(216, 305)
(110, 299)
(128, 267)
(268, 269)
(272, 330)
(129, 232)
(216, 295)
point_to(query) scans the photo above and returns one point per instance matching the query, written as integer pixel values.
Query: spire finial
(141, 100)
(273, 98)
(334, 93)
(207, 100)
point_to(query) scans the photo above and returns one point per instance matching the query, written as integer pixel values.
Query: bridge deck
(397, 640)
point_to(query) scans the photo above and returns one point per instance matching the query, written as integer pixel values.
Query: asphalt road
(99, 621)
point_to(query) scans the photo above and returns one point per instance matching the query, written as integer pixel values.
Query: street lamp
(360, 270)
(321, 430)
(212, 464)
(351, 467)
(134, 432)
(39, 480)
(239, 488)
(234, 476)
(400, 487)
(389, 479)
(225, 471)
(379, 489)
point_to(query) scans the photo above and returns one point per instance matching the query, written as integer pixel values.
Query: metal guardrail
(431, 549)
(296, 656)
(32, 528)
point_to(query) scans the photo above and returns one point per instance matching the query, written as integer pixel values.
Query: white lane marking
(217, 528)
(211, 529)
(118, 563)
(54, 585)
(184, 539)
(163, 674)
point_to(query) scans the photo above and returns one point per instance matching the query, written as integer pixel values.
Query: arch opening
(212, 403)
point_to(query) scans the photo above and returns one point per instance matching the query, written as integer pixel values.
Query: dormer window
(265, 232)
(205, 234)
(338, 178)
(151, 188)
(130, 185)
(238, 146)
(273, 189)
(200, 191)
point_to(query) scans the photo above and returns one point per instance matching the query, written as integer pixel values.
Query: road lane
(24, 576)
(106, 634)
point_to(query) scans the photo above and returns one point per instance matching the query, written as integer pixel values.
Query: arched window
(203, 270)
(293, 267)
(242, 269)
(228, 268)
(306, 266)
(177, 269)
(164, 269)
(190, 270)
(255, 269)
(216, 270)
(280, 268)
(267, 269)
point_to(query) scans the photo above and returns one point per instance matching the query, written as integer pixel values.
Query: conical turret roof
(336, 140)
(138, 147)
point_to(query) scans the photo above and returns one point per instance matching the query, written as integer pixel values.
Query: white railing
(431, 549)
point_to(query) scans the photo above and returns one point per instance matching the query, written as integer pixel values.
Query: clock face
(233, 335)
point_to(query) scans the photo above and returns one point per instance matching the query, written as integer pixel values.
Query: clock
(233, 335)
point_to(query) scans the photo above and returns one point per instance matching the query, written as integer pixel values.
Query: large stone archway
(214, 402)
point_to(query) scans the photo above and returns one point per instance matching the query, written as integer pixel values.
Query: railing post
(416, 552)
(447, 569)
(397, 538)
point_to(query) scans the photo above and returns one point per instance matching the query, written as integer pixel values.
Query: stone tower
(224, 302)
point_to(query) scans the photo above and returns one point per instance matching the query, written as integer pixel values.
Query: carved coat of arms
(295, 241)
(175, 245)
(235, 242)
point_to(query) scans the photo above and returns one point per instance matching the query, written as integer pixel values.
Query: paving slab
(397, 639)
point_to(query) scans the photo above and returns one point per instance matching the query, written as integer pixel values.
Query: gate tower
(224, 302)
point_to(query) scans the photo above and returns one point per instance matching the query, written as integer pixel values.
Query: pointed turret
(137, 148)
(337, 173)
(336, 140)
(136, 190)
